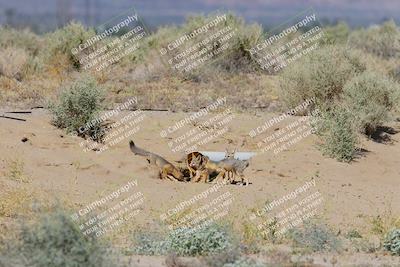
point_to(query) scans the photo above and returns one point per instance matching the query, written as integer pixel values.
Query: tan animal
(233, 168)
(196, 163)
(166, 169)
(200, 167)
(238, 167)
(193, 162)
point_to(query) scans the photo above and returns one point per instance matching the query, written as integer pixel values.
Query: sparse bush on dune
(381, 40)
(338, 133)
(78, 105)
(315, 237)
(370, 98)
(55, 240)
(321, 74)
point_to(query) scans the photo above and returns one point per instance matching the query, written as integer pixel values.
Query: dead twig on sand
(14, 112)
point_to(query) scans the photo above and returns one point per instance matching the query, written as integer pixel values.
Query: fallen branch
(11, 118)
(19, 112)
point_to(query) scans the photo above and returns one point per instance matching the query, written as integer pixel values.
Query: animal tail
(138, 151)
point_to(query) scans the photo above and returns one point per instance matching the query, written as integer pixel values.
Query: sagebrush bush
(21, 39)
(209, 239)
(320, 74)
(63, 40)
(338, 133)
(392, 242)
(55, 240)
(150, 243)
(370, 98)
(316, 237)
(79, 106)
(381, 40)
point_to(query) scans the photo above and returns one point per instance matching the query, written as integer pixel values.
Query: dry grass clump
(16, 201)
(13, 62)
(15, 171)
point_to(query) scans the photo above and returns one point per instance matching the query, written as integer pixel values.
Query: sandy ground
(58, 166)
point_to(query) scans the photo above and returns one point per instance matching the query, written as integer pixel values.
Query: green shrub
(382, 40)
(209, 239)
(370, 98)
(62, 41)
(78, 109)
(321, 74)
(336, 128)
(353, 234)
(150, 243)
(56, 241)
(392, 242)
(337, 34)
(315, 237)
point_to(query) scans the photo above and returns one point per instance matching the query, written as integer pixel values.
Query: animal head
(230, 154)
(196, 161)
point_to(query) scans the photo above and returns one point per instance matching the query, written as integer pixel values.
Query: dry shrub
(336, 128)
(337, 34)
(61, 42)
(13, 62)
(23, 39)
(321, 74)
(371, 98)
(381, 40)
